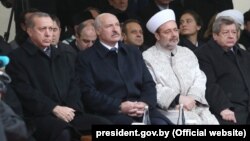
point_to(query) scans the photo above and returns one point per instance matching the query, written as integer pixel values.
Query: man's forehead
(43, 21)
(108, 18)
(168, 25)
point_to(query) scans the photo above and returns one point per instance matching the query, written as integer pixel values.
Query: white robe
(178, 74)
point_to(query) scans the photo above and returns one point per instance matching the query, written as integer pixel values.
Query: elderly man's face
(41, 33)
(167, 35)
(109, 31)
(227, 37)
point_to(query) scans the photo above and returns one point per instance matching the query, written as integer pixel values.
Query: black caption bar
(166, 132)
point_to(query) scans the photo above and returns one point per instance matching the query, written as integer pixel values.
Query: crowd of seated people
(110, 60)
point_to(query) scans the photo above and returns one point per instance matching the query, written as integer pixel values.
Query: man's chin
(46, 44)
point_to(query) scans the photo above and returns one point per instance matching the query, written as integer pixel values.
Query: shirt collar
(109, 47)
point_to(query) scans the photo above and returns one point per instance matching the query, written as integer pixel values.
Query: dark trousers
(156, 118)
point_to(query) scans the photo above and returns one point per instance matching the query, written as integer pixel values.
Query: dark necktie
(172, 54)
(113, 57)
(171, 59)
(113, 49)
(47, 51)
(231, 55)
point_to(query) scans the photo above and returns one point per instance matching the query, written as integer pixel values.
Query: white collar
(109, 47)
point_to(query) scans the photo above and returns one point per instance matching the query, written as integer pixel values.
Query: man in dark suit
(44, 82)
(228, 73)
(114, 79)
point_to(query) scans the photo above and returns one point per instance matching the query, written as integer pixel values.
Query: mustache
(115, 33)
(174, 38)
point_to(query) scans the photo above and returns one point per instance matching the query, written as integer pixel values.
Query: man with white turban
(175, 70)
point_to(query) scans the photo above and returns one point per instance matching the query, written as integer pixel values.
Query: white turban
(234, 14)
(160, 18)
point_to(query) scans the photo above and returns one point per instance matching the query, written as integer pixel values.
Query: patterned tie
(47, 51)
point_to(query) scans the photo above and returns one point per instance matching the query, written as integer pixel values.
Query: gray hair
(30, 21)
(224, 20)
(97, 22)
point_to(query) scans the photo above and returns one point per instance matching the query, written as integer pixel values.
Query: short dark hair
(56, 19)
(195, 15)
(124, 28)
(247, 16)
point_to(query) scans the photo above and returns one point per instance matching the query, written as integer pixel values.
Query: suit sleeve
(33, 100)
(148, 91)
(102, 103)
(215, 95)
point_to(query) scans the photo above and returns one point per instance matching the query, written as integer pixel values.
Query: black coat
(105, 86)
(41, 83)
(228, 80)
(186, 43)
(245, 39)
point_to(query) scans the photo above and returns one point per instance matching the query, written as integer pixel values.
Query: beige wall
(4, 20)
(242, 5)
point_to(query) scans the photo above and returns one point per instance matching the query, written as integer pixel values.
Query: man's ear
(124, 36)
(157, 36)
(97, 31)
(29, 32)
(215, 35)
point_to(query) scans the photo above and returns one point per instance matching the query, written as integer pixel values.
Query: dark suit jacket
(186, 43)
(41, 83)
(104, 87)
(228, 80)
(245, 39)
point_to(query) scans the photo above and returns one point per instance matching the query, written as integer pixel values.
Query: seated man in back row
(116, 84)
